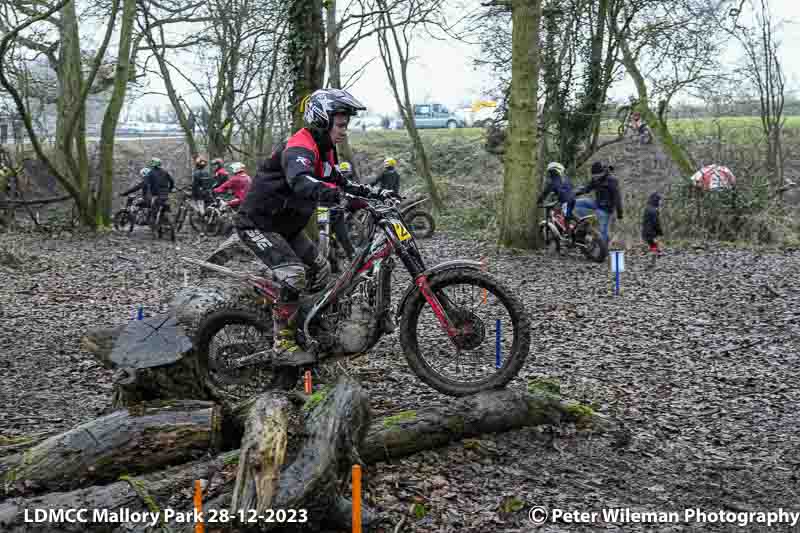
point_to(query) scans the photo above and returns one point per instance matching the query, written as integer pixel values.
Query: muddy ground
(697, 361)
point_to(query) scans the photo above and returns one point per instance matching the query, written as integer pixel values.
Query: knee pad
(294, 279)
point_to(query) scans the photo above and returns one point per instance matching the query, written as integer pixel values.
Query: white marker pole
(617, 266)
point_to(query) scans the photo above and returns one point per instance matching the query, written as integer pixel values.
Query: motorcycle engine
(357, 321)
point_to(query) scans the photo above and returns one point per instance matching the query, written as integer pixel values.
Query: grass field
(731, 129)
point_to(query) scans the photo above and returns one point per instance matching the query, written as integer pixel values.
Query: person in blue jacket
(558, 183)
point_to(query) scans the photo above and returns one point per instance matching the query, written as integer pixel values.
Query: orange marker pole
(356, 498)
(308, 381)
(483, 268)
(198, 505)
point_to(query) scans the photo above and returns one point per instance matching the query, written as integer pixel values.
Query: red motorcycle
(557, 234)
(461, 330)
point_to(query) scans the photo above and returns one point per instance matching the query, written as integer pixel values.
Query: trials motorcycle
(557, 235)
(461, 330)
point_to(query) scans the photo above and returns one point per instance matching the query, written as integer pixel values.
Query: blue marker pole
(497, 362)
(140, 316)
(616, 275)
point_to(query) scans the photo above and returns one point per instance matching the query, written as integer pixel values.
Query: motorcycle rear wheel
(121, 220)
(221, 362)
(473, 333)
(595, 248)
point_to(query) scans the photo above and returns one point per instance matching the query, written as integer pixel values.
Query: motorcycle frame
(550, 221)
(366, 262)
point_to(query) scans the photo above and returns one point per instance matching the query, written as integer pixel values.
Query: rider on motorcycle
(558, 183)
(161, 184)
(238, 184)
(285, 193)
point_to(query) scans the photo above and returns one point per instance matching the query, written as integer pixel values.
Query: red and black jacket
(286, 188)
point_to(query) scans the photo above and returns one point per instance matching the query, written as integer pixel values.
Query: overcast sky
(443, 70)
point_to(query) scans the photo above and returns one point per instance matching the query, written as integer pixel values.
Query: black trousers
(286, 255)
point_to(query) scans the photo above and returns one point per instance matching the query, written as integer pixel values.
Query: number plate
(401, 231)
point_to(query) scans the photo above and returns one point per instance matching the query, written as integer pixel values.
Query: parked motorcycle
(209, 219)
(131, 215)
(584, 235)
(462, 331)
(420, 221)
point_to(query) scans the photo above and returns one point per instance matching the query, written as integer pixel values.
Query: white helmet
(237, 167)
(144, 172)
(558, 167)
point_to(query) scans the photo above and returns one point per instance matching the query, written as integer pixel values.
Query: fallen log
(262, 453)
(338, 434)
(487, 412)
(152, 492)
(135, 440)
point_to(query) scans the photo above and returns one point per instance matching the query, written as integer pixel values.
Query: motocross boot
(284, 326)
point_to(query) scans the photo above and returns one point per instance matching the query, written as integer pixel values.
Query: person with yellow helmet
(389, 179)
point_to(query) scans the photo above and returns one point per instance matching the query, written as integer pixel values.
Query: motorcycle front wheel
(491, 340)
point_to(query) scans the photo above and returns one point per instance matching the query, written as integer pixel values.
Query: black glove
(329, 195)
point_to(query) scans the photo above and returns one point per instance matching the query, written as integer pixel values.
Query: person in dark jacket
(284, 194)
(202, 183)
(558, 183)
(651, 223)
(389, 179)
(161, 184)
(607, 197)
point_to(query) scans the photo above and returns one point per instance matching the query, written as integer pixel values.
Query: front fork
(416, 268)
(439, 310)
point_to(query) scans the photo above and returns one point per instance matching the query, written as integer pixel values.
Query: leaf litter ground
(696, 361)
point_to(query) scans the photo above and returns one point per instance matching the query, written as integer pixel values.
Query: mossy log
(262, 454)
(151, 492)
(139, 439)
(487, 412)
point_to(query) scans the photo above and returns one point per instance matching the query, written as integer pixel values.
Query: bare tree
(71, 166)
(394, 45)
(666, 46)
(764, 74)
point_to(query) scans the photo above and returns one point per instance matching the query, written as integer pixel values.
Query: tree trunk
(141, 439)
(304, 53)
(518, 229)
(111, 118)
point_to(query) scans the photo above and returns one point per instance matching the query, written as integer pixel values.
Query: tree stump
(142, 438)
(155, 361)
